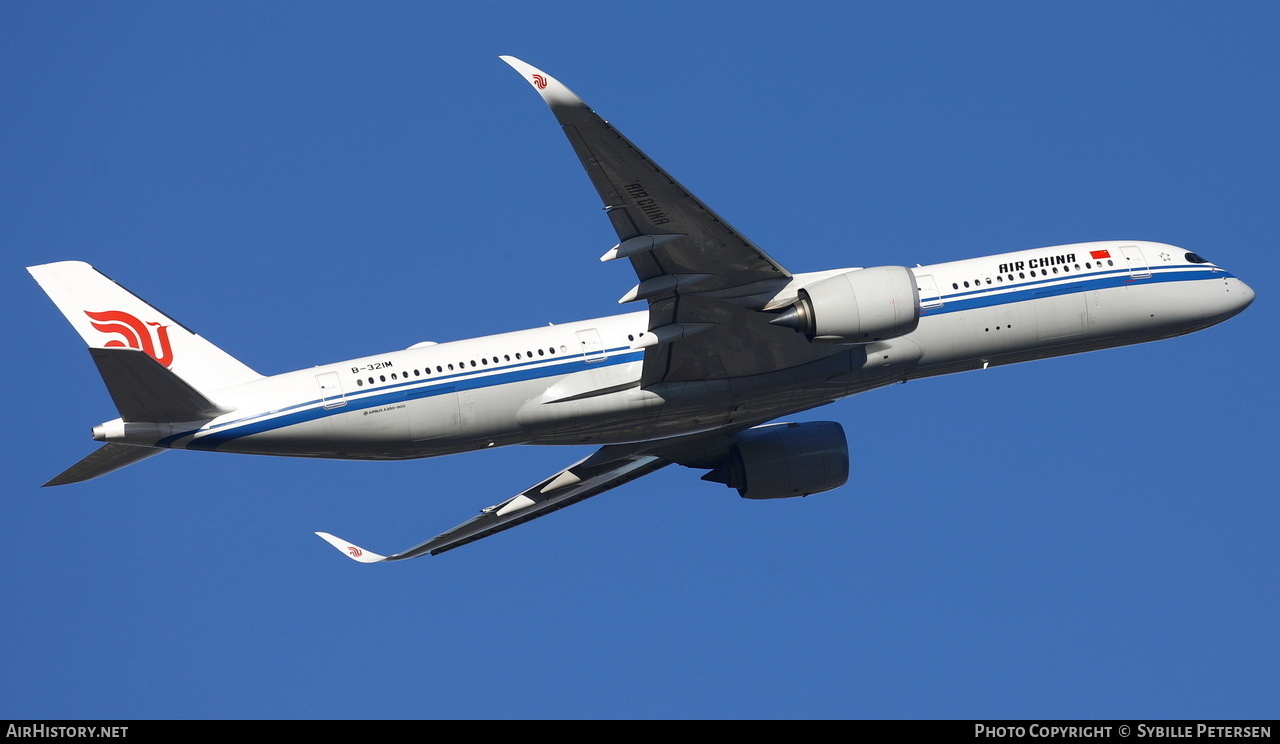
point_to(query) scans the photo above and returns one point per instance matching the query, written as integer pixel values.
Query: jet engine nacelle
(778, 461)
(857, 307)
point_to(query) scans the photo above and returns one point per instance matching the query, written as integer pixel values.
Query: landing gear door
(331, 390)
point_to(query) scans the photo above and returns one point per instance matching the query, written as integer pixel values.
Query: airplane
(728, 341)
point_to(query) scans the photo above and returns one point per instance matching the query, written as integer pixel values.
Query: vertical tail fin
(107, 315)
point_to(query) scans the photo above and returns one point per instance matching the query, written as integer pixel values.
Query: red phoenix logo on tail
(539, 81)
(136, 334)
(354, 551)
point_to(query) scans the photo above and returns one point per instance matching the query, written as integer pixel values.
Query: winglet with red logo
(354, 552)
(552, 91)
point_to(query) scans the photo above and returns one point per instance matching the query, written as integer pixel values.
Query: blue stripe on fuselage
(996, 294)
(311, 410)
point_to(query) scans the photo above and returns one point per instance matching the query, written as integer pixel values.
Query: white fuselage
(579, 383)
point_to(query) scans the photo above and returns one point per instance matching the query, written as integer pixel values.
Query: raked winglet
(552, 91)
(355, 552)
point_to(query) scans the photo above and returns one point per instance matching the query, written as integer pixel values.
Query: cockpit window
(1193, 258)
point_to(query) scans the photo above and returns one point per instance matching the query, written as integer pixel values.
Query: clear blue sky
(302, 183)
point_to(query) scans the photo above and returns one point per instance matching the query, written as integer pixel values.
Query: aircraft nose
(1239, 296)
(1245, 296)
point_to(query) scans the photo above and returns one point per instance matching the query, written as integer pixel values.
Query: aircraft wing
(704, 281)
(609, 467)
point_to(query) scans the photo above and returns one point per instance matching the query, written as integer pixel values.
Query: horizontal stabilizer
(106, 459)
(143, 390)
